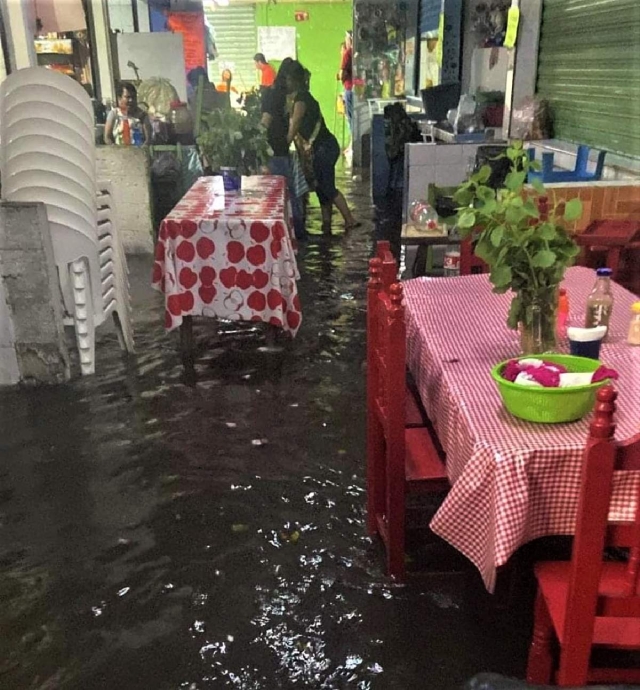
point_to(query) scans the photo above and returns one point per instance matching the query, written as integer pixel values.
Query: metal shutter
(236, 42)
(589, 70)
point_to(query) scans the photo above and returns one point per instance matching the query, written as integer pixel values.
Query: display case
(66, 53)
(380, 32)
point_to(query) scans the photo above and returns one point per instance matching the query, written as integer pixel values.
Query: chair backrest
(386, 355)
(389, 265)
(602, 458)
(469, 262)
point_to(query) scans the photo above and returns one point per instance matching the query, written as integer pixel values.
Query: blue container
(230, 179)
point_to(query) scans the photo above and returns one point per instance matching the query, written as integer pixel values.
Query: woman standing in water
(276, 120)
(308, 126)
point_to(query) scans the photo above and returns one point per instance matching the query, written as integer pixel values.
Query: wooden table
(512, 481)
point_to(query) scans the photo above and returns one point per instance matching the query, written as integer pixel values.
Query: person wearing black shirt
(308, 125)
(276, 119)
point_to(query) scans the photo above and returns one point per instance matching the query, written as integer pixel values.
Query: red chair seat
(413, 416)
(553, 580)
(424, 462)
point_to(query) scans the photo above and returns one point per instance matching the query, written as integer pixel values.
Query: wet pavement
(157, 535)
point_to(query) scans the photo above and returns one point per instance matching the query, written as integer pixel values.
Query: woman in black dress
(308, 125)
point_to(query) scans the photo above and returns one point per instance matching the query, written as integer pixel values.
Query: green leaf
(515, 215)
(488, 208)
(548, 232)
(500, 276)
(573, 210)
(536, 166)
(531, 209)
(544, 259)
(515, 180)
(497, 235)
(483, 174)
(485, 193)
(536, 183)
(466, 219)
(463, 197)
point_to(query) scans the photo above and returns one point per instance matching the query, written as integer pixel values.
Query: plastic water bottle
(137, 137)
(452, 263)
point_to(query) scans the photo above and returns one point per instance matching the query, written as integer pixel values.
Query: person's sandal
(352, 226)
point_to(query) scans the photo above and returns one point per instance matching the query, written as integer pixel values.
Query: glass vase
(538, 327)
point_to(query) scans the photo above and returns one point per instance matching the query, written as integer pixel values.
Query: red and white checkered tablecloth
(512, 481)
(229, 256)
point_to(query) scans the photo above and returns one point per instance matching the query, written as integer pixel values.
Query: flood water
(157, 535)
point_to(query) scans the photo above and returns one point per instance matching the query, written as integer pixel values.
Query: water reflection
(148, 541)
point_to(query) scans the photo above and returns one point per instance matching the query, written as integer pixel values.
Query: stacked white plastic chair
(47, 154)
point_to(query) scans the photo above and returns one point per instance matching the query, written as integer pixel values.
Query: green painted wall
(319, 41)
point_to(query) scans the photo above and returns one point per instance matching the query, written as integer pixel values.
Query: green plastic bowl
(550, 405)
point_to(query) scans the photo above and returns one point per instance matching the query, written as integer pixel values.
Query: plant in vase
(521, 233)
(234, 139)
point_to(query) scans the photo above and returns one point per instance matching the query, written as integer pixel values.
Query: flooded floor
(156, 535)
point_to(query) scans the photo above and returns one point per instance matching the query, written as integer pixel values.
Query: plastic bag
(531, 120)
(166, 167)
(158, 93)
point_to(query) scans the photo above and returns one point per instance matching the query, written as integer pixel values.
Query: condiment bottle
(126, 132)
(600, 301)
(562, 314)
(634, 327)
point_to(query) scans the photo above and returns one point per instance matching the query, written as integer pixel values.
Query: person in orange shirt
(267, 73)
(225, 83)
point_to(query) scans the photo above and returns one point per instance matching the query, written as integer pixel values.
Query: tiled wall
(602, 201)
(445, 165)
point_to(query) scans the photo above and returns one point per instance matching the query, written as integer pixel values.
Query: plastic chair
(587, 601)
(400, 460)
(578, 174)
(48, 155)
(469, 262)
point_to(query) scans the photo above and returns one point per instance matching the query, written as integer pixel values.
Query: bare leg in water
(345, 212)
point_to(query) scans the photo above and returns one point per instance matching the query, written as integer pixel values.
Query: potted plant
(234, 139)
(521, 233)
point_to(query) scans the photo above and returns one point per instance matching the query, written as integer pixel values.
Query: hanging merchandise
(210, 40)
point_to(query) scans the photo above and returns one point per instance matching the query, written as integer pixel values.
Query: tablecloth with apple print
(229, 256)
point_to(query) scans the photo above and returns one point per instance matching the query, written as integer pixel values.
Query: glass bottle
(600, 301)
(634, 327)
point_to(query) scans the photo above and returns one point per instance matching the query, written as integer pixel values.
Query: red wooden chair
(616, 244)
(414, 413)
(400, 460)
(469, 262)
(587, 602)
